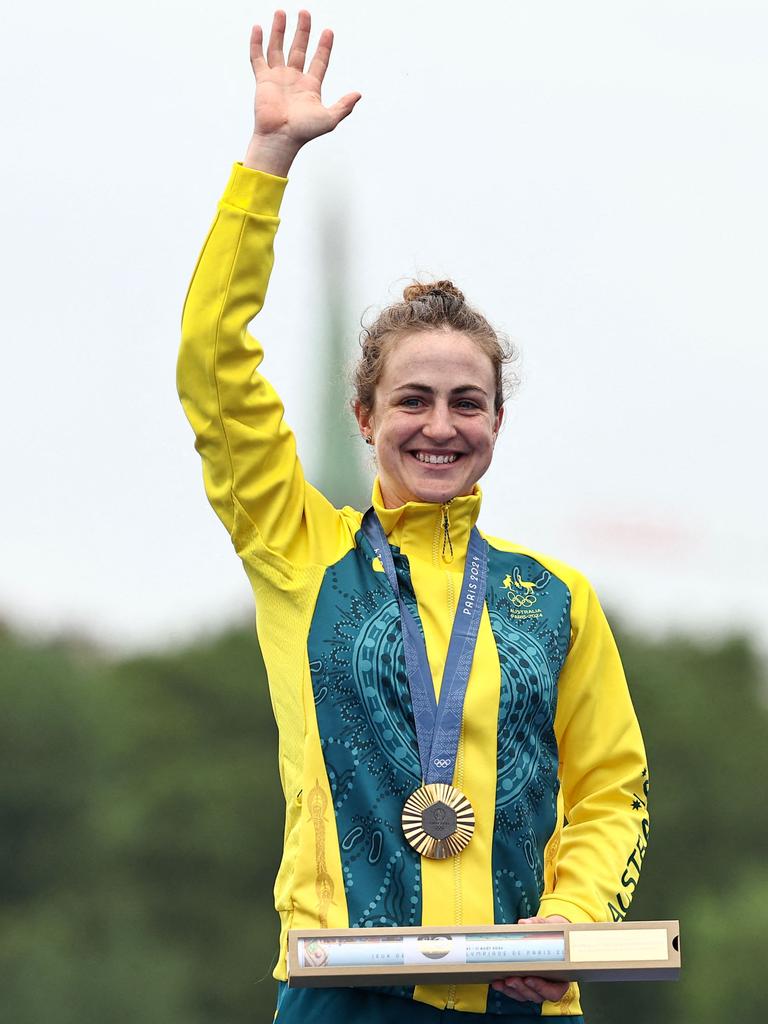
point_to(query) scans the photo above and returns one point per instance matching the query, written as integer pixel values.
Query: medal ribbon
(438, 723)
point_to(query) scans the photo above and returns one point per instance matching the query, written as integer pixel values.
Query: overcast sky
(591, 175)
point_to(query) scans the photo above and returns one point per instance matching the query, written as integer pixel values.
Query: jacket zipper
(447, 549)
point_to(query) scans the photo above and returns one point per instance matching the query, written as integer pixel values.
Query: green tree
(143, 823)
(703, 713)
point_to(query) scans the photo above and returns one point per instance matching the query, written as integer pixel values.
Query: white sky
(592, 175)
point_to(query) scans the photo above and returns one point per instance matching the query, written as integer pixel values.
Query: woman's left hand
(530, 989)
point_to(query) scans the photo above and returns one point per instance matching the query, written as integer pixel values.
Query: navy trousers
(340, 1005)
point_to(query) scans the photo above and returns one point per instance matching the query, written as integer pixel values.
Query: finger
(257, 52)
(275, 47)
(553, 922)
(319, 64)
(298, 52)
(552, 991)
(527, 991)
(508, 987)
(343, 107)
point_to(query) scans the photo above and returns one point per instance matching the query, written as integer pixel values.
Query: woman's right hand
(288, 111)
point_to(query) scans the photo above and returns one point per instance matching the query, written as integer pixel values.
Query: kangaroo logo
(521, 592)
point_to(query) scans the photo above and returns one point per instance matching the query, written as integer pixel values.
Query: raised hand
(288, 110)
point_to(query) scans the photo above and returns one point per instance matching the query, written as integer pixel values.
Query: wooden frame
(623, 951)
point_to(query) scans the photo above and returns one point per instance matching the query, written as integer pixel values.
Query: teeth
(435, 460)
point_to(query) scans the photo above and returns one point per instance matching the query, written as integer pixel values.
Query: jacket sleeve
(593, 870)
(251, 472)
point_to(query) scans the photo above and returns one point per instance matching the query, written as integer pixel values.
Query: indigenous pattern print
(365, 719)
(530, 617)
(323, 882)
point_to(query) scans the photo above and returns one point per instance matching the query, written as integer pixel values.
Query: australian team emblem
(522, 593)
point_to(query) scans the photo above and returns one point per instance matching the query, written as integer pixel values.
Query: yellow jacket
(550, 754)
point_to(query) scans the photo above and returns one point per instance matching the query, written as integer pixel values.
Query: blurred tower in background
(340, 473)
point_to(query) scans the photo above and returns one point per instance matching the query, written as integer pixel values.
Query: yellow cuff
(254, 191)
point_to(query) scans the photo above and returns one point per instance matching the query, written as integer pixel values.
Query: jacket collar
(418, 528)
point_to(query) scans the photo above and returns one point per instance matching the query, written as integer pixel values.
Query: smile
(434, 460)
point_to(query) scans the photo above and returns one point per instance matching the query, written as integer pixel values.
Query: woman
(544, 733)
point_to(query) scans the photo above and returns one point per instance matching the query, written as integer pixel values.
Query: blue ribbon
(438, 723)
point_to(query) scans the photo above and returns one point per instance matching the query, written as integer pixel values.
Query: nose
(439, 425)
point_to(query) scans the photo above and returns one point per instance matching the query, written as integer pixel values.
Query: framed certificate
(341, 957)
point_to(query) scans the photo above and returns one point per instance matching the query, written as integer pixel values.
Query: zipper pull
(447, 543)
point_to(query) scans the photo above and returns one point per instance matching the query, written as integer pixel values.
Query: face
(433, 422)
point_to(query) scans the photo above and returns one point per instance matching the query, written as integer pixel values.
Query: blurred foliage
(141, 818)
(703, 711)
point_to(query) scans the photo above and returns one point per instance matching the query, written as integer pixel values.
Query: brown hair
(429, 307)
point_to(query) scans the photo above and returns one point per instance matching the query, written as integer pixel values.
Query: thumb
(343, 107)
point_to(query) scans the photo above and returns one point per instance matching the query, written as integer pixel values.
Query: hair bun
(417, 291)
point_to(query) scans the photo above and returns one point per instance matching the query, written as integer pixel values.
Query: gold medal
(438, 820)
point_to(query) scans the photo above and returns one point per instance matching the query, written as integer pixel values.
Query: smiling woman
(432, 417)
(421, 671)
(439, 364)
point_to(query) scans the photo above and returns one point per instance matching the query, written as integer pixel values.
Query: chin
(437, 493)
(434, 498)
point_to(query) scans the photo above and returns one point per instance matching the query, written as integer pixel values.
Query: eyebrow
(427, 390)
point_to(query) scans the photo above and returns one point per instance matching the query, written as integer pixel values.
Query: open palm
(288, 106)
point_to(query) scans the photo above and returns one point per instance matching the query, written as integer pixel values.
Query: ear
(497, 423)
(364, 417)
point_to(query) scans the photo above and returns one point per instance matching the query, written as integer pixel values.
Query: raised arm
(252, 475)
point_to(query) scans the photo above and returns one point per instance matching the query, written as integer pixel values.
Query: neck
(390, 499)
(433, 530)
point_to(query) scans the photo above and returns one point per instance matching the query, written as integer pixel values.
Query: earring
(368, 439)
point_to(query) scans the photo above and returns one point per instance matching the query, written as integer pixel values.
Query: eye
(468, 403)
(412, 402)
